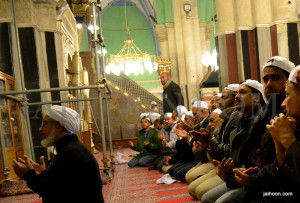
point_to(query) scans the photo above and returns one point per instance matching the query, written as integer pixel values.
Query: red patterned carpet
(128, 185)
(137, 185)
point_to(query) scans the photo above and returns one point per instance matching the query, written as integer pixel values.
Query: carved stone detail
(169, 25)
(6, 10)
(208, 30)
(161, 32)
(46, 15)
(24, 12)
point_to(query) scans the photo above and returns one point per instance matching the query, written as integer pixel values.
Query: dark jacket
(184, 152)
(219, 146)
(204, 124)
(172, 97)
(272, 178)
(263, 180)
(73, 175)
(291, 163)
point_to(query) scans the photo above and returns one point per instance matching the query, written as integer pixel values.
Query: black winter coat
(172, 97)
(73, 176)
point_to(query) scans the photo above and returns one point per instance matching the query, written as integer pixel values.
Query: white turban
(69, 118)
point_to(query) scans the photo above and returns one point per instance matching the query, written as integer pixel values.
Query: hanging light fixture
(130, 59)
(210, 60)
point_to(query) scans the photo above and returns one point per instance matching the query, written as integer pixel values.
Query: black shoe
(151, 168)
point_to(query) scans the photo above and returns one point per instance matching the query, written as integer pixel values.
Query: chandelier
(130, 59)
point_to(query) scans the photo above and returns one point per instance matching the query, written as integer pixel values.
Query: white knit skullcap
(193, 100)
(181, 110)
(279, 62)
(232, 87)
(256, 85)
(154, 116)
(168, 115)
(293, 74)
(200, 104)
(153, 102)
(190, 114)
(69, 118)
(217, 111)
(145, 115)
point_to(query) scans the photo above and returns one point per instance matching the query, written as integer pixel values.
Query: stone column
(172, 51)
(227, 46)
(226, 16)
(179, 42)
(161, 32)
(285, 18)
(262, 18)
(186, 32)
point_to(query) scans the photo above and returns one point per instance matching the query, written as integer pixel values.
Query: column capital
(161, 32)
(169, 25)
(202, 24)
(208, 29)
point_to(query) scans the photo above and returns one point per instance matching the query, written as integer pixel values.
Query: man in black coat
(73, 175)
(172, 96)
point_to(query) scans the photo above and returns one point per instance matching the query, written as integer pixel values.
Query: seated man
(147, 144)
(168, 139)
(73, 176)
(285, 133)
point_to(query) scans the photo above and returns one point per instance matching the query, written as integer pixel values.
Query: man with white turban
(73, 175)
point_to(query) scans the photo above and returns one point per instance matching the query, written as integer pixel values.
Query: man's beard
(48, 141)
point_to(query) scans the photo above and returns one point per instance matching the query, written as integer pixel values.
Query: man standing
(172, 96)
(73, 175)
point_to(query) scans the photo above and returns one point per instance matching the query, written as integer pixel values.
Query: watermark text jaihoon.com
(277, 194)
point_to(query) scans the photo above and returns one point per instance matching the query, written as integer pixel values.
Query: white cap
(154, 116)
(168, 114)
(68, 117)
(218, 95)
(200, 104)
(190, 113)
(217, 111)
(195, 99)
(256, 85)
(181, 110)
(154, 103)
(232, 87)
(145, 115)
(279, 62)
(293, 74)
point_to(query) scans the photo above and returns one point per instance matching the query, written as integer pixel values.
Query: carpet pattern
(129, 185)
(138, 185)
(27, 198)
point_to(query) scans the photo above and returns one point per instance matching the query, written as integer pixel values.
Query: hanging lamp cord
(126, 19)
